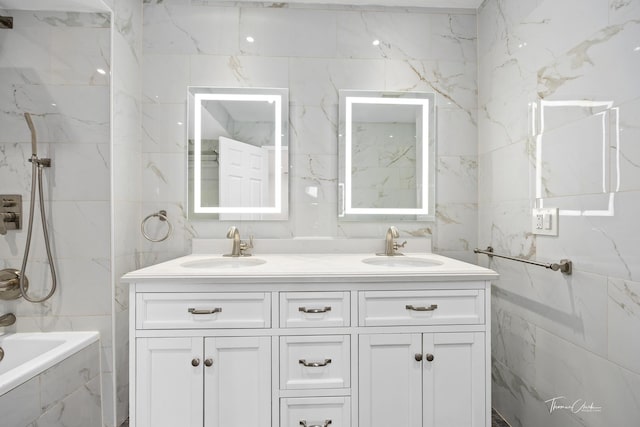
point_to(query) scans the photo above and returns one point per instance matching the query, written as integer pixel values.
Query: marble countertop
(310, 267)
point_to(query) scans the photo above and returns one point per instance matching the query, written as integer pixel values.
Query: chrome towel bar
(565, 266)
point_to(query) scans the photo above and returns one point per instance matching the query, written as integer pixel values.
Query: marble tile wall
(49, 67)
(67, 394)
(126, 179)
(573, 338)
(93, 187)
(313, 51)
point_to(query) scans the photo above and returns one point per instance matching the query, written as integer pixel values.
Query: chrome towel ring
(162, 216)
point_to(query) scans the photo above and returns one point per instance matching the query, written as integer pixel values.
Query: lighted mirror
(238, 153)
(387, 155)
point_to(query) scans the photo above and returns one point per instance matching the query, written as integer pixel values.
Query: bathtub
(50, 376)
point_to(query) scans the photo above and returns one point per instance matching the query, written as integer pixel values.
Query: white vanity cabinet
(211, 382)
(422, 380)
(321, 349)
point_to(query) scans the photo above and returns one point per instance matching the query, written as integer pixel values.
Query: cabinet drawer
(315, 411)
(203, 310)
(461, 307)
(314, 309)
(314, 362)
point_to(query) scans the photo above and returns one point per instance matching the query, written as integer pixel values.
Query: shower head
(34, 143)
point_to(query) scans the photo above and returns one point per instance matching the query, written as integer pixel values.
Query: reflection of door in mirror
(243, 176)
(238, 154)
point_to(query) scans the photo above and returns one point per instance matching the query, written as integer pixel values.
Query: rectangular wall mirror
(387, 155)
(238, 153)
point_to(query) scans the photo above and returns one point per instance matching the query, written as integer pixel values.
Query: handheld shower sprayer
(34, 143)
(37, 165)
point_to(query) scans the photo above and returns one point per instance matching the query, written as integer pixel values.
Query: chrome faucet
(390, 245)
(7, 319)
(239, 246)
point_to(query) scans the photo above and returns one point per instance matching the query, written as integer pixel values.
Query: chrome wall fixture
(564, 266)
(10, 212)
(162, 216)
(10, 284)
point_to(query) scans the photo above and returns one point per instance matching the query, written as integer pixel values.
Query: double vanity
(341, 339)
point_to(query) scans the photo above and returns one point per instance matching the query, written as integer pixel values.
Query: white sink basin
(223, 263)
(401, 262)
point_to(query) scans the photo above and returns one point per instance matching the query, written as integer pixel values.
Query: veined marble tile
(61, 380)
(316, 82)
(366, 34)
(286, 32)
(623, 10)
(513, 341)
(516, 399)
(71, 161)
(585, 71)
(571, 307)
(624, 323)
(127, 182)
(238, 71)
(181, 28)
(78, 114)
(457, 179)
(22, 404)
(163, 177)
(313, 129)
(453, 82)
(456, 134)
(166, 78)
(570, 374)
(455, 227)
(128, 59)
(603, 243)
(80, 409)
(81, 56)
(504, 174)
(629, 149)
(164, 128)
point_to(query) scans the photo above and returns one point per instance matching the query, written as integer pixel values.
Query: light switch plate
(544, 221)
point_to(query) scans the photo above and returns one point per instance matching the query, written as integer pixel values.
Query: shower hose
(36, 181)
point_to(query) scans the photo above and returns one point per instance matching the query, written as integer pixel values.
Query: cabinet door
(168, 386)
(237, 385)
(454, 381)
(390, 381)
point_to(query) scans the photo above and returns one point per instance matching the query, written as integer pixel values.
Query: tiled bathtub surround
(569, 338)
(49, 67)
(67, 394)
(313, 51)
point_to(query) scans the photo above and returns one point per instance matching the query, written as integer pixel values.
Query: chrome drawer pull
(314, 364)
(215, 310)
(314, 310)
(430, 308)
(303, 423)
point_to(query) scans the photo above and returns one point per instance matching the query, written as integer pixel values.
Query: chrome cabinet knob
(195, 362)
(429, 357)
(208, 362)
(418, 357)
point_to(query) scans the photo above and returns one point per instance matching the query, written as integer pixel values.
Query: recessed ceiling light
(376, 42)
(250, 39)
(101, 71)
(636, 49)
